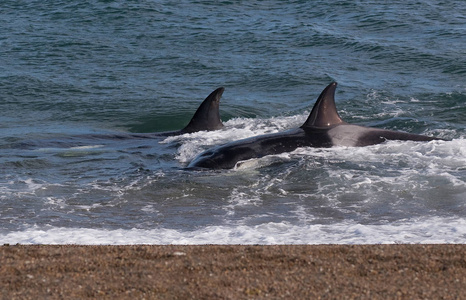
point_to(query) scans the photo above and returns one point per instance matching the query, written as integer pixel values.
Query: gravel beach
(233, 272)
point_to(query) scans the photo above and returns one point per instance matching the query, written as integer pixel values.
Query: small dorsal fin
(207, 116)
(324, 113)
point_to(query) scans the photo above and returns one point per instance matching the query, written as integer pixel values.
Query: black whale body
(323, 128)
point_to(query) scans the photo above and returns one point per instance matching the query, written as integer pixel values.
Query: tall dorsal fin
(324, 113)
(207, 116)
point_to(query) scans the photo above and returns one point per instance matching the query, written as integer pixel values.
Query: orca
(323, 128)
(206, 117)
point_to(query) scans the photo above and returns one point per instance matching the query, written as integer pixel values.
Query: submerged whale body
(323, 128)
(206, 118)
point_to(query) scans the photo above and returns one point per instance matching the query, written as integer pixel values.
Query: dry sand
(233, 272)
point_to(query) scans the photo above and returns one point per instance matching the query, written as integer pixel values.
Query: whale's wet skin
(323, 128)
(86, 88)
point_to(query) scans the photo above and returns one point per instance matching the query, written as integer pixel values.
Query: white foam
(407, 166)
(425, 231)
(235, 129)
(452, 152)
(21, 188)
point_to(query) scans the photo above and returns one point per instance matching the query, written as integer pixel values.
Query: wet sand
(233, 272)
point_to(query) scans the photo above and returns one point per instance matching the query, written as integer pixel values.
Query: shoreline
(233, 271)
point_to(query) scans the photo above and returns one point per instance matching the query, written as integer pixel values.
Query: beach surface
(397, 271)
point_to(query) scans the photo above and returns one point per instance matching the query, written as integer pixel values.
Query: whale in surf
(323, 128)
(206, 117)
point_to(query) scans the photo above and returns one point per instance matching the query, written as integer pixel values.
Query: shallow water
(77, 76)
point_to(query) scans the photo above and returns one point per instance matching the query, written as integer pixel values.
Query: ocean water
(76, 77)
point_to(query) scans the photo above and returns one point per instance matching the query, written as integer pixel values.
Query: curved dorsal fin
(324, 113)
(207, 116)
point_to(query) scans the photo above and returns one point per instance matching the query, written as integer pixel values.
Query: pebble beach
(399, 271)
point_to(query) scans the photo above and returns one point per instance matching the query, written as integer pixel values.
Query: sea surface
(78, 78)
